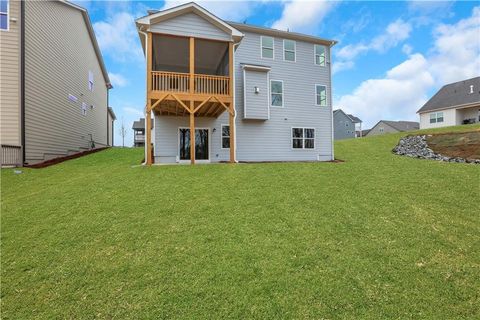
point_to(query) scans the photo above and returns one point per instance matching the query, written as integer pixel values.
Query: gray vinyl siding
(271, 140)
(268, 140)
(256, 103)
(343, 126)
(190, 25)
(375, 131)
(59, 55)
(10, 78)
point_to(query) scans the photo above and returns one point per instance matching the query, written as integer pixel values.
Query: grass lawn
(378, 236)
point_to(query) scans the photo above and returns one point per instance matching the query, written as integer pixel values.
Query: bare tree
(123, 133)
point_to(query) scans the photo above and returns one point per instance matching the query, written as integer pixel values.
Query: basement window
(267, 47)
(303, 138)
(4, 14)
(225, 136)
(436, 117)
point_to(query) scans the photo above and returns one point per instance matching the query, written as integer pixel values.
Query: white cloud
(405, 88)
(407, 49)
(302, 16)
(117, 79)
(227, 10)
(133, 111)
(395, 33)
(117, 37)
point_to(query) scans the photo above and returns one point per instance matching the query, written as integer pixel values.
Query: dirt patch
(464, 145)
(63, 159)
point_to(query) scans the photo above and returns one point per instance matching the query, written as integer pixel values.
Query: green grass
(376, 237)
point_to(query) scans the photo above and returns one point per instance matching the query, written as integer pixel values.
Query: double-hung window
(276, 92)
(320, 95)
(4, 14)
(320, 55)
(436, 117)
(288, 50)
(225, 136)
(267, 47)
(303, 138)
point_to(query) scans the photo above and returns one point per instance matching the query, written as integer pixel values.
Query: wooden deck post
(148, 113)
(192, 103)
(232, 103)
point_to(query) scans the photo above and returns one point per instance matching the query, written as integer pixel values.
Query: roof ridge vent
(152, 11)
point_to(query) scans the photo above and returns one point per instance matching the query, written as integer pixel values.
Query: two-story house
(53, 83)
(224, 91)
(346, 126)
(139, 132)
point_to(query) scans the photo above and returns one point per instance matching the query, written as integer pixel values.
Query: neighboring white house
(454, 104)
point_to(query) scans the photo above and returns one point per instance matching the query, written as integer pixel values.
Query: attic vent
(471, 89)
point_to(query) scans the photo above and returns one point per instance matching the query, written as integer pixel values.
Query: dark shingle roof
(139, 124)
(454, 94)
(402, 125)
(354, 119)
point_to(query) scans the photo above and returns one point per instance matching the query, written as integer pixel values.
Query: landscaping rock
(417, 147)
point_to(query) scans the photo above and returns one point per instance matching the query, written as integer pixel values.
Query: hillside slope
(378, 236)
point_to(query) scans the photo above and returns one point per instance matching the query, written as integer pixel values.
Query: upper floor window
(225, 136)
(321, 95)
(3, 14)
(303, 138)
(320, 55)
(267, 47)
(436, 117)
(289, 50)
(276, 90)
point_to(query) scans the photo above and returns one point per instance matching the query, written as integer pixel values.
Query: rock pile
(417, 147)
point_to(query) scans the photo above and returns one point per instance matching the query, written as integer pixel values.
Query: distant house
(53, 83)
(454, 104)
(139, 132)
(384, 126)
(345, 126)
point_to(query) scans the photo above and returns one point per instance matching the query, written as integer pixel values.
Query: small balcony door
(202, 148)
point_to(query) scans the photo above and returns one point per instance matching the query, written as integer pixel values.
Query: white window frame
(273, 48)
(436, 117)
(270, 94)
(315, 55)
(326, 95)
(294, 50)
(7, 14)
(303, 138)
(222, 136)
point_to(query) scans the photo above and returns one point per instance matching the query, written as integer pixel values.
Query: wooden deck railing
(180, 82)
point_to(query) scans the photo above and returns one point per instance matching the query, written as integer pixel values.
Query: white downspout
(235, 109)
(145, 110)
(330, 94)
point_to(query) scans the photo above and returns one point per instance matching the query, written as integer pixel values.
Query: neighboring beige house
(454, 104)
(385, 126)
(54, 84)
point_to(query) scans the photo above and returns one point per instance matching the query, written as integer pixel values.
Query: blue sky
(391, 56)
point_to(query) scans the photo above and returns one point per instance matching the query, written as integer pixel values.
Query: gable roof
(157, 16)
(400, 125)
(351, 117)
(140, 124)
(454, 95)
(88, 23)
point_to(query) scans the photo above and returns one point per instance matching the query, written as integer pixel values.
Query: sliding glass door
(201, 144)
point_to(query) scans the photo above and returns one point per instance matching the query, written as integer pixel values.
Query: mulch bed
(58, 160)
